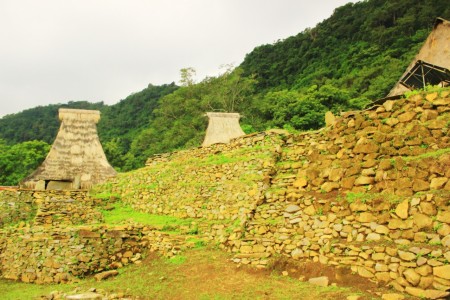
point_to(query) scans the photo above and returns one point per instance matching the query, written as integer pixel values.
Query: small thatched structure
(222, 127)
(76, 159)
(432, 61)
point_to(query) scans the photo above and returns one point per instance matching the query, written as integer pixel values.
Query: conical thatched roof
(76, 159)
(222, 127)
(435, 51)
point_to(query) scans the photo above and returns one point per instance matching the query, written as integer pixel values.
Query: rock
(436, 294)
(358, 206)
(422, 221)
(85, 296)
(428, 208)
(104, 275)
(363, 272)
(431, 96)
(364, 180)
(320, 281)
(444, 216)
(365, 217)
(365, 147)
(420, 185)
(408, 256)
(373, 237)
(392, 297)
(406, 117)
(388, 105)
(412, 277)
(400, 224)
(330, 119)
(329, 186)
(402, 209)
(310, 210)
(292, 208)
(300, 182)
(446, 241)
(424, 270)
(297, 253)
(427, 294)
(415, 291)
(438, 183)
(442, 272)
(381, 229)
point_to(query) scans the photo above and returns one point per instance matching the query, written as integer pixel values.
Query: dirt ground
(206, 273)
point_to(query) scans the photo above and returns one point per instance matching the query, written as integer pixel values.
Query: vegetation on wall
(345, 62)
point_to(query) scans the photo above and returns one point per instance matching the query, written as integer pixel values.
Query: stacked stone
(382, 149)
(221, 182)
(16, 207)
(66, 211)
(42, 256)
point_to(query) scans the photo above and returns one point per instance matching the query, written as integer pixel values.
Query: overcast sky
(55, 51)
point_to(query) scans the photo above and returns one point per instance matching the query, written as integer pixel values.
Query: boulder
(320, 281)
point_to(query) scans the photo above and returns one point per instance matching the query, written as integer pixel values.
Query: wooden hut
(431, 65)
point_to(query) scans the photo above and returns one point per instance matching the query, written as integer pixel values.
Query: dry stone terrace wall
(15, 207)
(40, 255)
(221, 182)
(371, 192)
(56, 208)
(48, 208)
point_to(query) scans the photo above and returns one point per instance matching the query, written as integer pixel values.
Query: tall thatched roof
(222, 127)
(76, 159)
(435, 51)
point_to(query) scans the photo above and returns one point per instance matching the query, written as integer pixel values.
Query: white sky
(55, 51)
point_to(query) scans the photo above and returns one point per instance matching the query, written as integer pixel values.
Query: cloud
(56, 51)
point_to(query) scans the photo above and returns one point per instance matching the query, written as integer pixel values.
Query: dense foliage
(19, 160)
(345, 62)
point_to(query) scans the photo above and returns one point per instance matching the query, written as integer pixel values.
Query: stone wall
(221, 182)
(370, 192)
(40, 255)
(57, 208)
(49, 208)
(16, 207)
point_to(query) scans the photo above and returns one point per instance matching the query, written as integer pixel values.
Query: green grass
(428, 89)
(197, 274)
(123, 213)
(177, 259)
(432, 154)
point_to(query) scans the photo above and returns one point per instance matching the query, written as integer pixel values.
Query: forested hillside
(345, 62)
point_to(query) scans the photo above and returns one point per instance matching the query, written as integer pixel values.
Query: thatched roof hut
(432, 61)
(222, 127)
(76, 159)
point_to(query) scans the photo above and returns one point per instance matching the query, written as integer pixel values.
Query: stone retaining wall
(371, 192)
(15, 207)
(40, 255)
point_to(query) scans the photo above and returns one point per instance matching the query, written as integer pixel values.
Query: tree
(18, 161)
